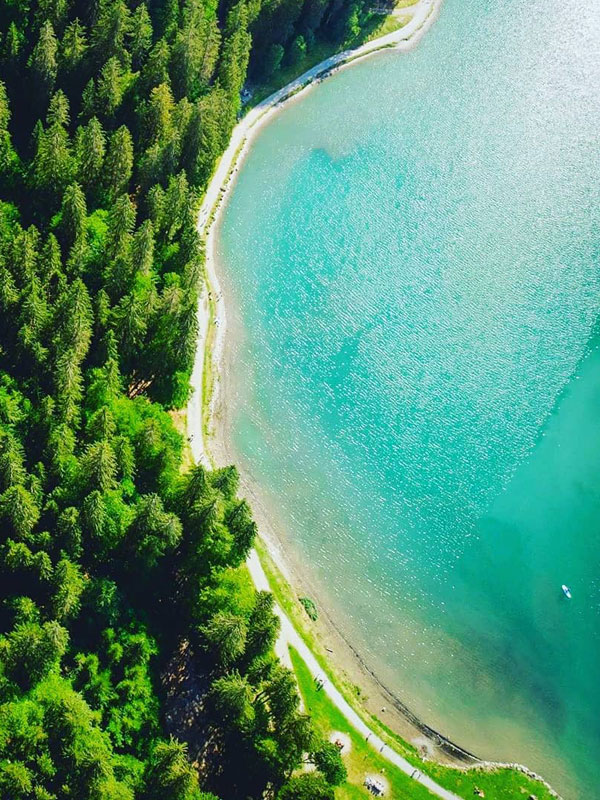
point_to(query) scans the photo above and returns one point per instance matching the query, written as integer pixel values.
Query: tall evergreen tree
(73, 46)
(119, 162)
(90, 147)
(44, 60)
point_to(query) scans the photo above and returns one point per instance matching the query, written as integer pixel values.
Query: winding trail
(423, 15)
(289, 636)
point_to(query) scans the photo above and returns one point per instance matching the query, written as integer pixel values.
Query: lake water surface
(413, 250)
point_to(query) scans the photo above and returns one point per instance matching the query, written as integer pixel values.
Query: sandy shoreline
(215, 448)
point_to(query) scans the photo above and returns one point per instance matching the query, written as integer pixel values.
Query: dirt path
(289, 636)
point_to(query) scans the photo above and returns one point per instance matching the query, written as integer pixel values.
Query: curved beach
(212, 317)
(207, 410)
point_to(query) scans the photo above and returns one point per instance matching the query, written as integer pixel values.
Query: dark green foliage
(291, 27)
(310, 607)
(113, 560)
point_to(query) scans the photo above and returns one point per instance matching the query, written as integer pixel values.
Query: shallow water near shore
(413, 253)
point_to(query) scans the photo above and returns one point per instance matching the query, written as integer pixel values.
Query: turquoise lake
(412, 253)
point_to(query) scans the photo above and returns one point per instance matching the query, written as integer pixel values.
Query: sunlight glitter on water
(418, 283)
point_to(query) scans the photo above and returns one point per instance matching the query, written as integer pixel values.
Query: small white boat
(566, 591)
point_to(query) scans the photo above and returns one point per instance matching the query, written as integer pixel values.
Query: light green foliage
(140, 35)
(297, 50)
(170, 773)
(306, 787)
(310, 608)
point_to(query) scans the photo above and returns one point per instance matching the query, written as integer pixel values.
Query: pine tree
(109, 88)
(110, 30)
(177, 200)
(68, 382)
(224, 637)
(140, 35)
(53, 10)
(231, 697)
(142, 250)
(119, 237)
(130, 320)
(119, 162)
(90, 147)
(68, 528)
(19, 510)
(73, 215)
(159, 119)
(153, 531)
(73, 46)
(170, 774)
(13, 43)
(33, 323)
(8, 157)
(53, 162)
(12, 461)
(33, 651)
(73, 322)
(23, 258)
(156, 68)
(95, 515)
(101, 424)
(58, 110)
(88, 100)
(44, 61)
(194, 52)
(98, 466)
(51, 261)
(235, 55)
(68, 585)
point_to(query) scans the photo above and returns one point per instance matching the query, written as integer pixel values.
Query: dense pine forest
(136, 659)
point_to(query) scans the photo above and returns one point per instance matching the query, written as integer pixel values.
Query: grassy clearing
(377, 25)
(362, 760)
(499, 784)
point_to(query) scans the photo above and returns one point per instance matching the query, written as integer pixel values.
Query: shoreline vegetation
(454, 769)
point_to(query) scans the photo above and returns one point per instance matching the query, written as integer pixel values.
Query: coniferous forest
(136, 659)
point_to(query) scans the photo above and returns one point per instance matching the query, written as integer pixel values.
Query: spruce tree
(109, 88)
(44, 60)
(119, 162)
(90, 148)
(73, 215)
(140, 35)
(73, 46)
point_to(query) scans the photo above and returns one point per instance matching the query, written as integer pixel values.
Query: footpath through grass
(361, 760)
(496, 784)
